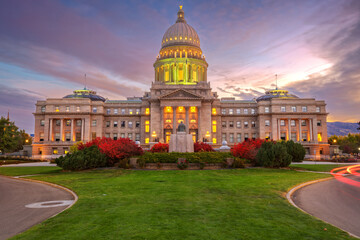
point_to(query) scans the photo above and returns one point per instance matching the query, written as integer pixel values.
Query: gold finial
(180, 6)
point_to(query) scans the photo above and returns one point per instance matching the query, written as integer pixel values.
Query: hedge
(196, 157)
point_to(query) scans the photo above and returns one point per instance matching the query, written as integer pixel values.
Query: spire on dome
(181, 15)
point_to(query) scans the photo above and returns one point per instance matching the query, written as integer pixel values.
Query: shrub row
(196, 157)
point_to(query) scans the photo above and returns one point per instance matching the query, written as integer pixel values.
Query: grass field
(317, 167)
(215, 204)
(20, 171)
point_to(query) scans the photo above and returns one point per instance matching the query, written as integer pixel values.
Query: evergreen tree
(11, 139)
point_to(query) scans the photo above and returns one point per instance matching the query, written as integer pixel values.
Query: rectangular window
(107, 135)
(123, 111)
(137, 124)
(267, 123)
(246, 136)
(303, 122)
(58, 122)
(223, 137)
(57, 109)
(93, 135)
(115, 124)
(137, 111)
(319, 137)
(78, 108)
(94, 110)
(57, 137)
(318, 123)
(223, 124)
(231, 111)
(213, 111)
(43, 108)
(283, 135)
(130, 111)
(214, 126)
(246, 111)
(267, 109)
(253, 124)
(317, 109)
(267, 135)
(238, 137)
(293, 136)
(42, 122)
(137, 137)
(304, 136)
(41, 137)
(223, 111)
(68, 136)
(107, 124)
(238, 111)
(108, 111)
(246, 124)
(253, 136)
(147, 111)
(68, 123)
(238, 124)
(93, 123)
(115, 136)
(283, 109)
(304, 109)
(293, 109)
(78, 123)
(78, 136)
(147, 126)
(231, 137)
(130, 136)
(55, 151)
(147, 140)
(231, 124)
(116, 111)
(214, 140)
(252, 111)
(282, 122)
(67, 109)
(122, 124)
(130, 124)
(293, 123)
(122, 135)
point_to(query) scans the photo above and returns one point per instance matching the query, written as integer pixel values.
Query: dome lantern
(181, 15)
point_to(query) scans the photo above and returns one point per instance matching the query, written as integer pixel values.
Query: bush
(202, 147)
(247, 149)
(296, 150)
(238, 163)
(160, 147)
(199, 157)
(87, 158)
(273, 155)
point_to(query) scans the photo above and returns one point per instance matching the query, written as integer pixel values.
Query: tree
(10, 136)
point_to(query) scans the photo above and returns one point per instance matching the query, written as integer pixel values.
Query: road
(16, 194)
(335, 202)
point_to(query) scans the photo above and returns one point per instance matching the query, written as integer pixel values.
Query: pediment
(180, 94)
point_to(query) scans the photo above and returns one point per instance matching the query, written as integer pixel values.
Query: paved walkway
(335, 202)
(21, 204)
(316, 162)
(34, 164)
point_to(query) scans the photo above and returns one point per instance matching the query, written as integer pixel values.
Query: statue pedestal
(181, 142)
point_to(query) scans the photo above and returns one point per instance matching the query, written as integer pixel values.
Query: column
(161, 134)
(205, 74)
(311, 132)
(315, 130)
(187, 121)
(289, 129)
(278, 129)
(61, 130)
(82, 129)
(198, 124)
(186, 73)
(51, 130)
(174, 120)
(300, 134)
(72, 130)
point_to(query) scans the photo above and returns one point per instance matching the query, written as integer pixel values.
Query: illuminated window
(68, 123)
(147, 126)
(175, 38)
(180, 37)
(168, 109)
(77, 108)
(147, 111)
(146, 140)
(67, 109)
(213, 111)
(166, 39)
(192, 109)
(231, 111)
(185, 38)
(130, 111)
(57, 109)
(181, 109)
(55, 151)
(168, 121)
(66, 150)
(214, 126)
(192, 121)
(319, 137)
(137, 111)
(214, 140)
(170, 39)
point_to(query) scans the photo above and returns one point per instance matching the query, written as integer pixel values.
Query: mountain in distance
(341, 128)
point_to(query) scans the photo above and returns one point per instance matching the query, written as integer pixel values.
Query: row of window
(122, 124)
(238, 124)
(231, 137)
(293, 123)
(123, 135)
(237, 111)
(292, 109)
(124, 111)
(58, 122)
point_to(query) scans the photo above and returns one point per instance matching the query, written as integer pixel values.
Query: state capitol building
(179, 92)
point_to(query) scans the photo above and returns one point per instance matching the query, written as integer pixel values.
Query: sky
(47, 46)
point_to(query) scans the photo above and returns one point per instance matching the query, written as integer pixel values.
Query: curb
(297, 187)
(50, 184)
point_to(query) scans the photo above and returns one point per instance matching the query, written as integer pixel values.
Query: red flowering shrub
(202, 147)
(115, 150)
(160, 147)
(247, 149)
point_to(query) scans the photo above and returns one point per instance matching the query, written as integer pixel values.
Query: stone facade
(180, 92)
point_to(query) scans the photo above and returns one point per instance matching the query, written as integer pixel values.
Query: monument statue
(181, 127)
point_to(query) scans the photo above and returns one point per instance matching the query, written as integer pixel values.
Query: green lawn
(214, 204)
(317, 167)
(20, 171)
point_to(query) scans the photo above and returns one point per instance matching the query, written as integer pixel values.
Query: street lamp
(334, 141)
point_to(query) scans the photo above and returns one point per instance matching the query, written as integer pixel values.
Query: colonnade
(51, 129)
(178, 73)
(310, 127)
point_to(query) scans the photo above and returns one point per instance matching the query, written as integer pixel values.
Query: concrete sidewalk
(34, 164)
(317, 162)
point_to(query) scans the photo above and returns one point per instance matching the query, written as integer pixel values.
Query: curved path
(15, 216)
(333, 201)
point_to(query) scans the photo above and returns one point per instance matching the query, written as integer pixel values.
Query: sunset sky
(47, 46)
